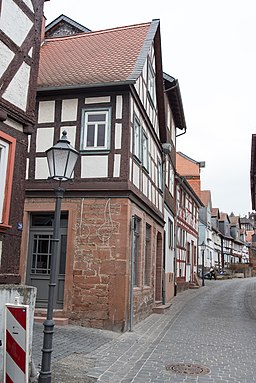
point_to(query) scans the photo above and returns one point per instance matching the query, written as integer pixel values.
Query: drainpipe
(132, 274)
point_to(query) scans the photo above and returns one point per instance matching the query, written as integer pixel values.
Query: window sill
(93, 151)
(4, 227)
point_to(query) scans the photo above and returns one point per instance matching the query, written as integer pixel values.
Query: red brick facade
(98, 262)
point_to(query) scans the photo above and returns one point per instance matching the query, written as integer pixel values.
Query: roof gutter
(82, 86)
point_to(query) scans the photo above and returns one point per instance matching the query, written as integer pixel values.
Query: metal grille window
(147, 262)
(96, 129)
(41, 258)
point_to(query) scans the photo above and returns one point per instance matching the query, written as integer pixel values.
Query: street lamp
(203, 247)
(61, 159)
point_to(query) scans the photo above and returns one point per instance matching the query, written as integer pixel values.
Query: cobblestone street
(213, 327)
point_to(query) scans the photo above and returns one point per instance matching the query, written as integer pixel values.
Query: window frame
(8, 144)
(137, 138)
(85, 123)
(171, 232)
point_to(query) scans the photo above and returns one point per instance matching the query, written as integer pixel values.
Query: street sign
(16, 343)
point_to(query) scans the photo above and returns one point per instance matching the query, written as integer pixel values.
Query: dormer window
(96, 130)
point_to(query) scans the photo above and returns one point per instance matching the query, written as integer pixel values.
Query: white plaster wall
(96, 100)
(131, 140)
(12, 15)
(6, 57)
(17, 91)
(94, 166)
(41, 170)
(71, 133)
(46, 111)
(30, 53)
(29, 4)
(69, 110)
(29, 143)
(27, 168)
(44, 139)
(136, 175)
(145, 185)
(117, 163)
(118, 136)
(119, 107)
(153, 195)
(130, 170)
(14, 124)
(169, 252)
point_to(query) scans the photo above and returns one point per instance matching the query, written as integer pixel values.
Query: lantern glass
(203, 246)
(61, 159)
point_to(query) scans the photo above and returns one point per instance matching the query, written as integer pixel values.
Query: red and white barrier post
(16, 343)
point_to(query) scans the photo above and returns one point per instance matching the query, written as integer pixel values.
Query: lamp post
(61, 159)
(203, 247)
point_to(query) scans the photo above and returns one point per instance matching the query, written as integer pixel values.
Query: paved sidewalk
(213, 327)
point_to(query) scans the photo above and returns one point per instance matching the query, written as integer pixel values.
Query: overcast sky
(209, 46)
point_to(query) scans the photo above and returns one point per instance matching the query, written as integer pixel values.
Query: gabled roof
(224, 217)
(205, 196)
(215, 212)
(234, 220)
(108, 57)
(186, 166)
(172, 89)
(63, 25)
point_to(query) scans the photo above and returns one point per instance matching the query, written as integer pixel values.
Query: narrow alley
(208, 335)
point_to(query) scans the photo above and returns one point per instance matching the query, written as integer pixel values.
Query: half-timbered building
(106, 90)
(188, 204)
(20, 38)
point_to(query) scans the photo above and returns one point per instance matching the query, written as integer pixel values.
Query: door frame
(34, 205)
(60, 278)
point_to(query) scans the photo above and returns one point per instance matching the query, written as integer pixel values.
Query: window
(171, 185)
(170, 229)
(7, 153)
(136, 250)
(144, 150)
(96, 129)
(188, 252)
(136, 138)
(147, 256)
(151, 82)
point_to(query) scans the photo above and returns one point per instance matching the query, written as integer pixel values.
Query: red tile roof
(205, 196)
(86, 59)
